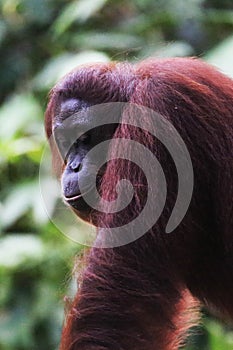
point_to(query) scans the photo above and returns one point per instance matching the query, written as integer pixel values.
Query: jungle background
(39, 42)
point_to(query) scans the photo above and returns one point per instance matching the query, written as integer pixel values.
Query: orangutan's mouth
(77, 201)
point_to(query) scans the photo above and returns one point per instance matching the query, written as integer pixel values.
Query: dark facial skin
(74, 145)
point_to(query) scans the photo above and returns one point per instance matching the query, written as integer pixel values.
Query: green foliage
(58, 66)
(219, 337)
(30, 298)
(40, 41)
(77, 11)
(221, 56)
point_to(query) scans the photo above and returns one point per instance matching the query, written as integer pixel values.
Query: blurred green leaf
(222, 56)
(3, 31)
(216, 16)
(219, 338)
(103, 41)
(174, 49)
(24, 145)
(18, 202)
(16, 327)
(17, 249)
(63, 64)
(80, 11)
(17, 113)
(37, 11)
(45, 199)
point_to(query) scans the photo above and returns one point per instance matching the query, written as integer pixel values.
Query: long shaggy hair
(143, 296)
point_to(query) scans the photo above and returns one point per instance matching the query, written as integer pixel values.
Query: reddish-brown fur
(143, 296)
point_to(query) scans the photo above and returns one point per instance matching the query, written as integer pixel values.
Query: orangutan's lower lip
(76, 197)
